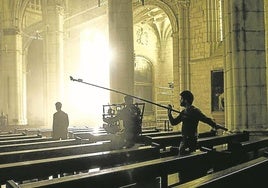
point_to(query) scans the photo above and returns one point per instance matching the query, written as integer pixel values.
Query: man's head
(186, 98)
(128, 100)
(58, 106)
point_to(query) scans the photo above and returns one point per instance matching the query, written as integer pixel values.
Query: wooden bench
(244, 151)
(38, 145)
(161, 133)
(19, 141)
(5, 132)
(148, 131)
(84, 132)
(248, 174)
(11, 135)
(147, 136)
(222, 158)
(212, 141)
(69, 164)
(172, 139)
(94, 137)
(101, 136)
(20, 137)
(33, 154)
(142, 173)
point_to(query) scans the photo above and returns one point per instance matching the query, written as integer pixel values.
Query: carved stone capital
(60, 9)
(183, 3)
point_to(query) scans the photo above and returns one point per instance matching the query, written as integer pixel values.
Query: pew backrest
(248, 174)
(127, 174)
(28, 140)
(67, 164)
(33, 154)
(38, 145)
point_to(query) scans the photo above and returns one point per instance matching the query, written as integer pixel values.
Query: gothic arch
(19, 10)
(165, 7)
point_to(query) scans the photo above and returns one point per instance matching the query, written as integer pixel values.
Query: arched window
(143, 81)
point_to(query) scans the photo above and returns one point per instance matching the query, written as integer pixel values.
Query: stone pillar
(176, 69)
(11, 69)
(245, 66)
(53, 15)
(184, 71)
(13, 93)
(122, 47)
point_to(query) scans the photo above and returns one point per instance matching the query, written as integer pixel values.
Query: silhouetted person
(3, 119)
(130, 115)
(60, 123)
(190, 117)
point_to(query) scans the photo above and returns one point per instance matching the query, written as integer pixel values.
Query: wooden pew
(148, 137)
(68, 164)
(102, 136)
(172, 139)
(19, 141)
(45, 132)
(33, 131)
(248, 174)
(244, 151)
(5, 132)
(38, 145)
(33, 154)
(142, 173)
(12, 135)
(161, 133)
(222, 158)
(20, 137)
(28, 131)
(210, 142)
(148, 131)
(94, 137)
(83, 132)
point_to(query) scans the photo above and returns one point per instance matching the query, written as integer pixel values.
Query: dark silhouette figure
(131, 116)
(60, 123)
(3, 119)
(190, 117)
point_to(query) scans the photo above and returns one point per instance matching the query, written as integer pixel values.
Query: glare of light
(94, 69)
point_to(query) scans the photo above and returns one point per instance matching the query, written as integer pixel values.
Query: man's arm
(202, 117)
(173, 121)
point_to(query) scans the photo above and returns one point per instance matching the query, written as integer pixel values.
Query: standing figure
(190, 117)
(131, 117)
(60, 123)
(3, 119)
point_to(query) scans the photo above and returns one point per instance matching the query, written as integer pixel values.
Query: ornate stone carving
(142, 36)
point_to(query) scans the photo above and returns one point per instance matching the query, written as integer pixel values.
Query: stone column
(184, 71)
(53, 56)
(121, 45)
(12, 77)
(11, 69)
(245, 65)
(176, 69)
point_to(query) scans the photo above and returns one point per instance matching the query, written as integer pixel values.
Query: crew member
(131, 116)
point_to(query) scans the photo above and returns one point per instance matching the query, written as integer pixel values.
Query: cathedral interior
(90, 53)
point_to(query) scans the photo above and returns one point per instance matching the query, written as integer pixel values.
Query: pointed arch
(165, 7)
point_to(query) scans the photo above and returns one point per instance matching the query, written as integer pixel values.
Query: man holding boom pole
(190, 118)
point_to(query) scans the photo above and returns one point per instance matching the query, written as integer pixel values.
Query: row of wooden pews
(91, 160)
(247, 174)
(56, 157)
(249, 162)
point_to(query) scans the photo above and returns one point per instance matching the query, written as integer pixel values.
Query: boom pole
(120, 92)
